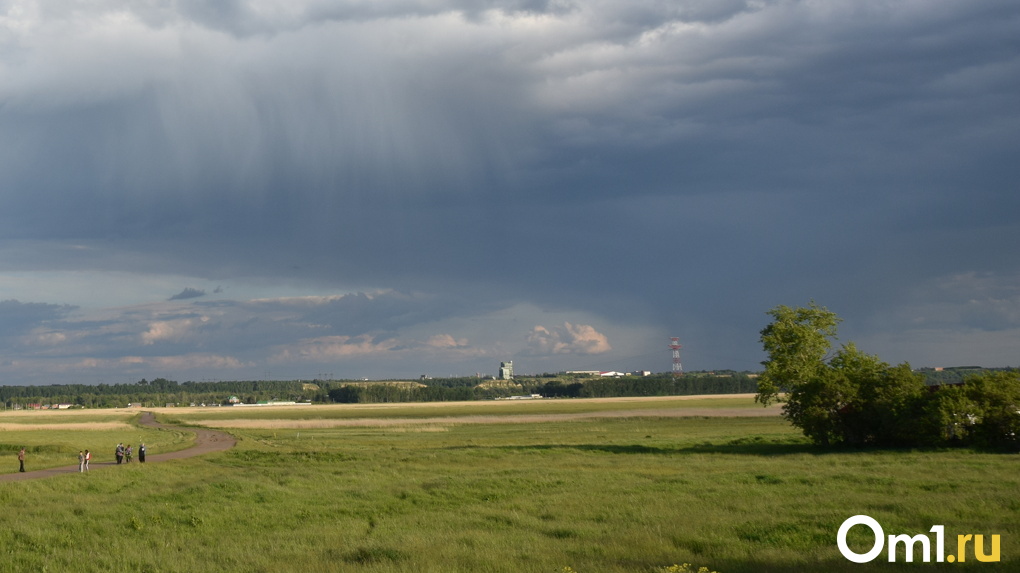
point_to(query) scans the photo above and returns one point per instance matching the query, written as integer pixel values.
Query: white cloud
(568, 339)
(330, 348)
(51, 338)
(446, 341)
(171, 330)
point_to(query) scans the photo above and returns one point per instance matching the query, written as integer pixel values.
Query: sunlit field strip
(472, 408)
(76, 425)
(72, 415)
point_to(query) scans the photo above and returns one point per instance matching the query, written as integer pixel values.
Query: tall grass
(609, 495)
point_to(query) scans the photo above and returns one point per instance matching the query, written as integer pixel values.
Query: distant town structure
(506, 370)
(608, 373)
(675, 346)
(618, 374)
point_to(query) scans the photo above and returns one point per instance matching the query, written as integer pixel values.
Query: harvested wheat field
(65, 427)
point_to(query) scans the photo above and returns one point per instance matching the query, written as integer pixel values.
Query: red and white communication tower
(675, 346)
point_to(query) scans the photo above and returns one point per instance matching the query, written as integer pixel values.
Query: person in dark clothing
(120, 453)
(141, 453)
(21, 459)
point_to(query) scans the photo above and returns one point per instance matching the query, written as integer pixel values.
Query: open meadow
(593, 485)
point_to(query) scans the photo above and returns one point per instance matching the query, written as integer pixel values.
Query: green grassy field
(595, 495)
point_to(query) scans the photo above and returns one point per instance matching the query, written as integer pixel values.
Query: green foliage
(665, 385)
(996, 400)
(948, 417)
(856, 399)
(796, 341)
(383, 392)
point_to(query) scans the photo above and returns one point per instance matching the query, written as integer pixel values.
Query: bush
(996, 400)
(856, 399)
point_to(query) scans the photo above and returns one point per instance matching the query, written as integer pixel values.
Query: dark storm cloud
(683, 166)
(188, 293)
(19, 318)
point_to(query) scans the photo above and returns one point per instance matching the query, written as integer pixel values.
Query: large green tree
(850, 398)
(797, 342)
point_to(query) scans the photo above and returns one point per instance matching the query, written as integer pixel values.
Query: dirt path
(206, 441)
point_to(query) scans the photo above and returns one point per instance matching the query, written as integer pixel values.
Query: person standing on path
(81, 461)
(21, 459)
(88, 458)
(120, 453)
(141, 453)
(127, 453)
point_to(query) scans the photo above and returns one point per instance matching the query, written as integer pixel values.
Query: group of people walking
(83, 460)
(124, 453)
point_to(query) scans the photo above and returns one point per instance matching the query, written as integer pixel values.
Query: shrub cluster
(855, 399)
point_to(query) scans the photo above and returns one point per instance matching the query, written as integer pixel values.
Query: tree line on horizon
(569, 387)
(161, 391)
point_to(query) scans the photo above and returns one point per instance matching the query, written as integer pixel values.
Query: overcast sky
(297, 189)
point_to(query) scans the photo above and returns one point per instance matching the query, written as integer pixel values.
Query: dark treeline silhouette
(657, 385)
(160, 391)
(438, 390)
(955, 375)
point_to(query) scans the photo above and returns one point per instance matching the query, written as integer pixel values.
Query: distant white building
(506, 370)
(528, 397)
